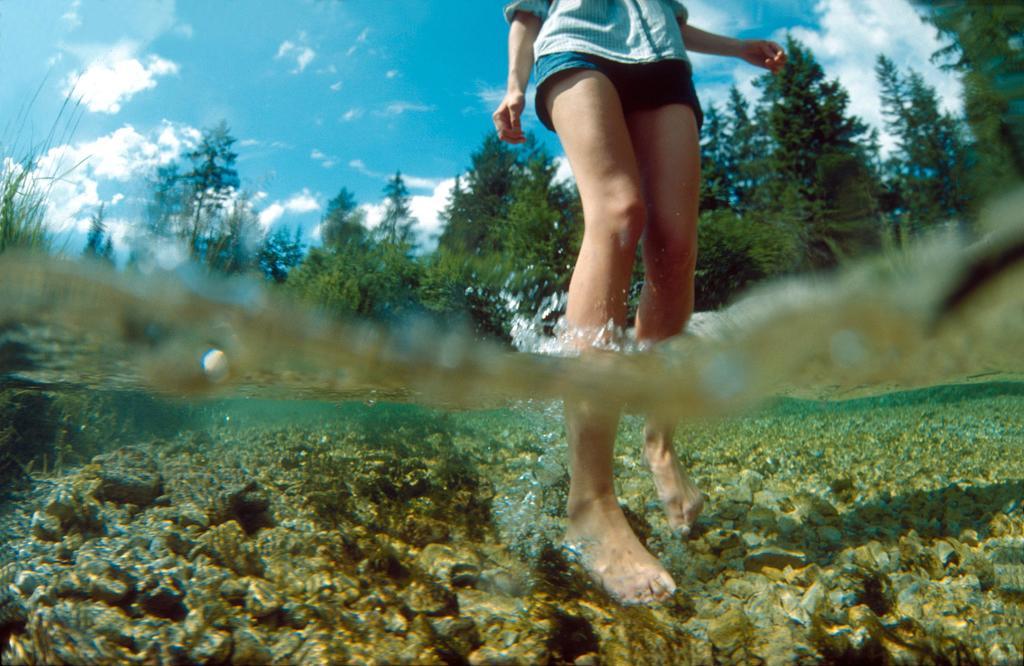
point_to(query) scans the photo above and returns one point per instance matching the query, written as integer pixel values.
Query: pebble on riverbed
(156, 555)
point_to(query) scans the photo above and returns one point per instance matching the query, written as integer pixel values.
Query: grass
(22, 207)
(24, 191)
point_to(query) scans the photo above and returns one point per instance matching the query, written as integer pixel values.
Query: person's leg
(587, 116)
(667, 147)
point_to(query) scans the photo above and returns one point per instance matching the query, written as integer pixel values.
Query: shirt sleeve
(680, 10)
(538, 8)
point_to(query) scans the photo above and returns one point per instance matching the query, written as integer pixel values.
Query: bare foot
(679, 495)
(609, 550)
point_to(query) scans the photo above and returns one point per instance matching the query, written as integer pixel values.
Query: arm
(758, 52)
(521, 35)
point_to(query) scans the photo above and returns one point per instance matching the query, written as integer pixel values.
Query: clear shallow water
(878, 325)
(872, 428)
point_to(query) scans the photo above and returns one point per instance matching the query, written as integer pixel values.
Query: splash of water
(882, 324)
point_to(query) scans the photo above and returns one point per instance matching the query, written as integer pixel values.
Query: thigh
(667, 147)
(587, 116)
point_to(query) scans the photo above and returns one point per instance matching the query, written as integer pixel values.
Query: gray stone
(249, 649)
(109, 590)
(945, 552)
(45, 527)
(128, 476)
(213, 647)
(776, 558)
(28, 581)
(729, 630)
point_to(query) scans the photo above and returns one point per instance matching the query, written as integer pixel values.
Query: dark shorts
(646, 85)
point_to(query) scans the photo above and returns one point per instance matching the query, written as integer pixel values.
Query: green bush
(376, 280)
(734, 252)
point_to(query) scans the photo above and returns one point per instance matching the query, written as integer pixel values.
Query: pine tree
(744, 152)
(927, 170)
(279, 253)
(716, 179)
(988, 49)
(479, 206)
(818, 176)
(395, 228)
(343, 222)
(196, 205)
(95, 245)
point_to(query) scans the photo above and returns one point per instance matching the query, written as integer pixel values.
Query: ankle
(659, 454)
(583, 505)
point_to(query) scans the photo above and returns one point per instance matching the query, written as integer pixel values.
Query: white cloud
(415, 182)
(115, 77)
(361, 39)
(420, 183)
(326, 161)
(271, 214)
(302, 202)
(391, 73)
(715, 16)
(352, 114)
(73, 175)
(299, 53)
(852, 33)
(184, 30)
(336, 86)
(427, 209)
(71, 17)
(563, 172)
(398, 108)
(298, 203)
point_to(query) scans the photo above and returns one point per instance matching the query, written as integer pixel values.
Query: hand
(507, 119)
(763, 53)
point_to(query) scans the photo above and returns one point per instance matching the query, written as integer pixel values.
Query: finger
(501, 122)
(513, 116)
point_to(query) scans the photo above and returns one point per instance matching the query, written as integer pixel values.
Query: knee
(674, 251)
(618, 219)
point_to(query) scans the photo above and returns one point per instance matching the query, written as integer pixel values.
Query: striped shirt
(622, 30)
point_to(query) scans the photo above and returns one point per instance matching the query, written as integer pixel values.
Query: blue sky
(323, 94)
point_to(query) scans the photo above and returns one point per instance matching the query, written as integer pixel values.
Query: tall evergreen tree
(988, 49)
(98, 244)
(343, 222)
(210, 184)
(926, 172)
(715, 177)
(279, 253)
(818, 174)
(744, 152)
(478, 207)
(395, 228)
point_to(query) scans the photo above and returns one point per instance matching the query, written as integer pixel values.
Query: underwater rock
(127, 475)
(425, 598)
(729, 630)
(27, 581)
(262, 599)
(247, 648)
(212, 647)
(109, 591)
(776, 558)
(228, 546)
(457, 568)
(46, 527)
(163, 595)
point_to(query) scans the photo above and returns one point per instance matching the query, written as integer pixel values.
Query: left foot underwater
(681, 498)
